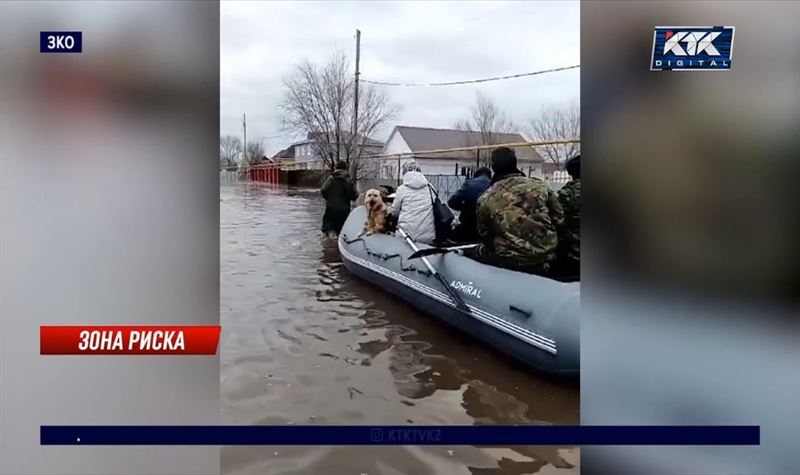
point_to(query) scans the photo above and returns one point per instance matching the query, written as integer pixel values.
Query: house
(286, 154)
(411, 141)
(238, 161)
(265, 160)
(305, 151)
(555, 172)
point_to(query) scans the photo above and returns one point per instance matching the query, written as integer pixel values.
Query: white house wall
(305, 153)
(431, 166)
(388, 166)
(396, 144)
(448, 167)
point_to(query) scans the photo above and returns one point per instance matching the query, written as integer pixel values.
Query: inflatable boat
(531, 318)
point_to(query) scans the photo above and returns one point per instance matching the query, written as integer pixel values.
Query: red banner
(129, 340)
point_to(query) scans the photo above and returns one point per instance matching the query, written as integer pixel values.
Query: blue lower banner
(400, 435)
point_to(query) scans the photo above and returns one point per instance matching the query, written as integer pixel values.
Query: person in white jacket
(413, 208)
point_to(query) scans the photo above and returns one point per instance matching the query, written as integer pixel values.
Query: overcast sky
(416, 42)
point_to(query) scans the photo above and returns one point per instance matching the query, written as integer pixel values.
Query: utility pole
(244, 147)
(354, 138)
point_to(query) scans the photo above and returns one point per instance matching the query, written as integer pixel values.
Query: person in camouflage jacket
(570, 238)
(519, 219)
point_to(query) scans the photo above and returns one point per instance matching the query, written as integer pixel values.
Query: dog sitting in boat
(377, 213)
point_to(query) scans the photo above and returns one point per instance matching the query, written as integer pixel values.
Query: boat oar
(440, 250)
(453, 295)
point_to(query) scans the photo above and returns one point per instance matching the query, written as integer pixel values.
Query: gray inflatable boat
(531, 318)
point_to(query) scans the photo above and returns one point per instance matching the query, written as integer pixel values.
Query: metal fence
(446, 185)
(557, 179)
(365, 184)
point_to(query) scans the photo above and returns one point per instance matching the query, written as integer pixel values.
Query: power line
(471, 81)
(270, 137)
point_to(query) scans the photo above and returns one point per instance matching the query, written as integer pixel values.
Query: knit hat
(573, 167)
(504, 161)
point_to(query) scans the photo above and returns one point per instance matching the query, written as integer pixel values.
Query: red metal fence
(266, 173)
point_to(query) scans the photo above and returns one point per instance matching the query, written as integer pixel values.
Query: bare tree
(255, 150)
(557, 123)
(488, 121)
(319, 103)
(229, 146)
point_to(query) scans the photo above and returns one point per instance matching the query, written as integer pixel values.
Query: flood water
(305, 342)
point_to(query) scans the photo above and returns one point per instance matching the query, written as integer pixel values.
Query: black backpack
(442, 216)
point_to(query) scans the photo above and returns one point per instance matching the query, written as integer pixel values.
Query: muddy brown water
(305, 342)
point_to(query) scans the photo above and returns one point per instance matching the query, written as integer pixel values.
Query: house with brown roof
(413, 142)
(306, 151)
(286, 154)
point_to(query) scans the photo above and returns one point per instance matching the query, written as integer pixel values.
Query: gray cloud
(417, 42)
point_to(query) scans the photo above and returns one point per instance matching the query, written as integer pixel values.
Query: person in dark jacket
(465, 200)
(569, 240)
(338, 191)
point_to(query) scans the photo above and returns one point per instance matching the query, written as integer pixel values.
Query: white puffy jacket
(413, 206)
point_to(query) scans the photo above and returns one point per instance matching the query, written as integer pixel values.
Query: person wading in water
(338, 191)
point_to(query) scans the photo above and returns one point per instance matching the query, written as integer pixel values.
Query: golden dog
(377, 213)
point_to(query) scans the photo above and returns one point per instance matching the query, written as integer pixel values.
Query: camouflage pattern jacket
(570, 238)
(518, 223)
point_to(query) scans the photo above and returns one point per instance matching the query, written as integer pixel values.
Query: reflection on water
(304, 342)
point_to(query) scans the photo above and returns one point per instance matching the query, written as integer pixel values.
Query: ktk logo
(687, 48)
(696, 43)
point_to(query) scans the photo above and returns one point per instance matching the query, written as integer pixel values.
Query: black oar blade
(453, 295)
(426, 252)
(439, 250)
